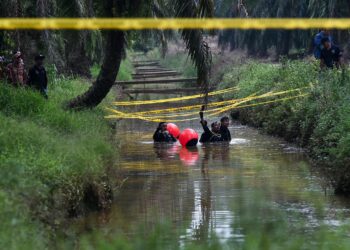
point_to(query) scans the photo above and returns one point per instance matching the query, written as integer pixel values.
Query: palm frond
(198, 49)
(206, 8)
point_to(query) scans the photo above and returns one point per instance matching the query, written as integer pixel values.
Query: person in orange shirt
(16, 73)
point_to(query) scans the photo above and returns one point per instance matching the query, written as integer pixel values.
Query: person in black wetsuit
(212, 135)
(162, 134)
(224, 131)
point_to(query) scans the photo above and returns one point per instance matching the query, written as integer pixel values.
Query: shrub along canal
(256, 185)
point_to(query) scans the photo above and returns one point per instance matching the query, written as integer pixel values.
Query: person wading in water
(224, 131)
(209, 136)
(162, 134)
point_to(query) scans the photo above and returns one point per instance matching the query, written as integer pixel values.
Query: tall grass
(124, 74)
(48, 156)
(319, 122)
(180, 62)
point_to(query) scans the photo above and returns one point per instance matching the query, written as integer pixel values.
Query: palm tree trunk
(114, 49)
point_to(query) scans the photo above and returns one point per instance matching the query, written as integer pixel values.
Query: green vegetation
(77, 51)
(179, 61)
(293, 43)
(319, 122)
(50, 159)
(124, 74)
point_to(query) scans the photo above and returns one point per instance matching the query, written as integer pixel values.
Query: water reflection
(189, 156)
(195, 189)
(201, 221)
(165, 151)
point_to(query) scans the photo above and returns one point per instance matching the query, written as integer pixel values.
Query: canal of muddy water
(208, 191)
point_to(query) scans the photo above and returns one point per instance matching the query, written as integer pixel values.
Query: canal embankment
(56, 164)
(319, 122)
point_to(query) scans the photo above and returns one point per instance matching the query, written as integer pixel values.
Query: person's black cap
(324, 40)
(39, 57)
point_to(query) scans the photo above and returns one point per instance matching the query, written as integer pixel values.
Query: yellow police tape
(185, 108)
(214, 104)
(121, 115)
(137, 115)
(176, 99)
(222, 107)
(172, 23)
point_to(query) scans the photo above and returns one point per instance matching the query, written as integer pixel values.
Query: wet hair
(214, 124)
(325, 40)
(160, 124)
(225, 118)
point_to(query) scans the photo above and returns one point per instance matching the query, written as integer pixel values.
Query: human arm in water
(158, 136)
(204, 122)
(207, 135)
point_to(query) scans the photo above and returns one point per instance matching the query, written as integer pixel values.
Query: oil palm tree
(258, 42)
(71, 52)
(114, 42)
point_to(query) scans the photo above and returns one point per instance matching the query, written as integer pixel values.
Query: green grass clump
(48, 156)
(180, 62)
(320, 122)
(124, 74)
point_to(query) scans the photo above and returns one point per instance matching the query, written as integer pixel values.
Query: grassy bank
(53, 162)
(319, 122)
(179, 61)
(125, 70)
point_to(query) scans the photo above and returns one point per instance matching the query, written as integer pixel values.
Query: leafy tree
(258, 42)
(75, 51)
(197, 47)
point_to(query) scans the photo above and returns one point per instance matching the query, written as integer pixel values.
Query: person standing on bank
(16, 73)
(37, 77)
(318, 46)
(330, 55)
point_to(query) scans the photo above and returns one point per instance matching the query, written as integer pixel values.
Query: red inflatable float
(188, 138)
(173, 130)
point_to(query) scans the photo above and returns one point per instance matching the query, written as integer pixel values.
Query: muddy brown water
(197, 190)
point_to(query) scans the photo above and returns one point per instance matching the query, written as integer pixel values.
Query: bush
(48, 156)
(320, 122)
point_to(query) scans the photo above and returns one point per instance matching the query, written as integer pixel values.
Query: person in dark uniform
(162, 134)
(212, 135)
(330, 55)
(37, 77)
(318, 46)
(224, 131)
